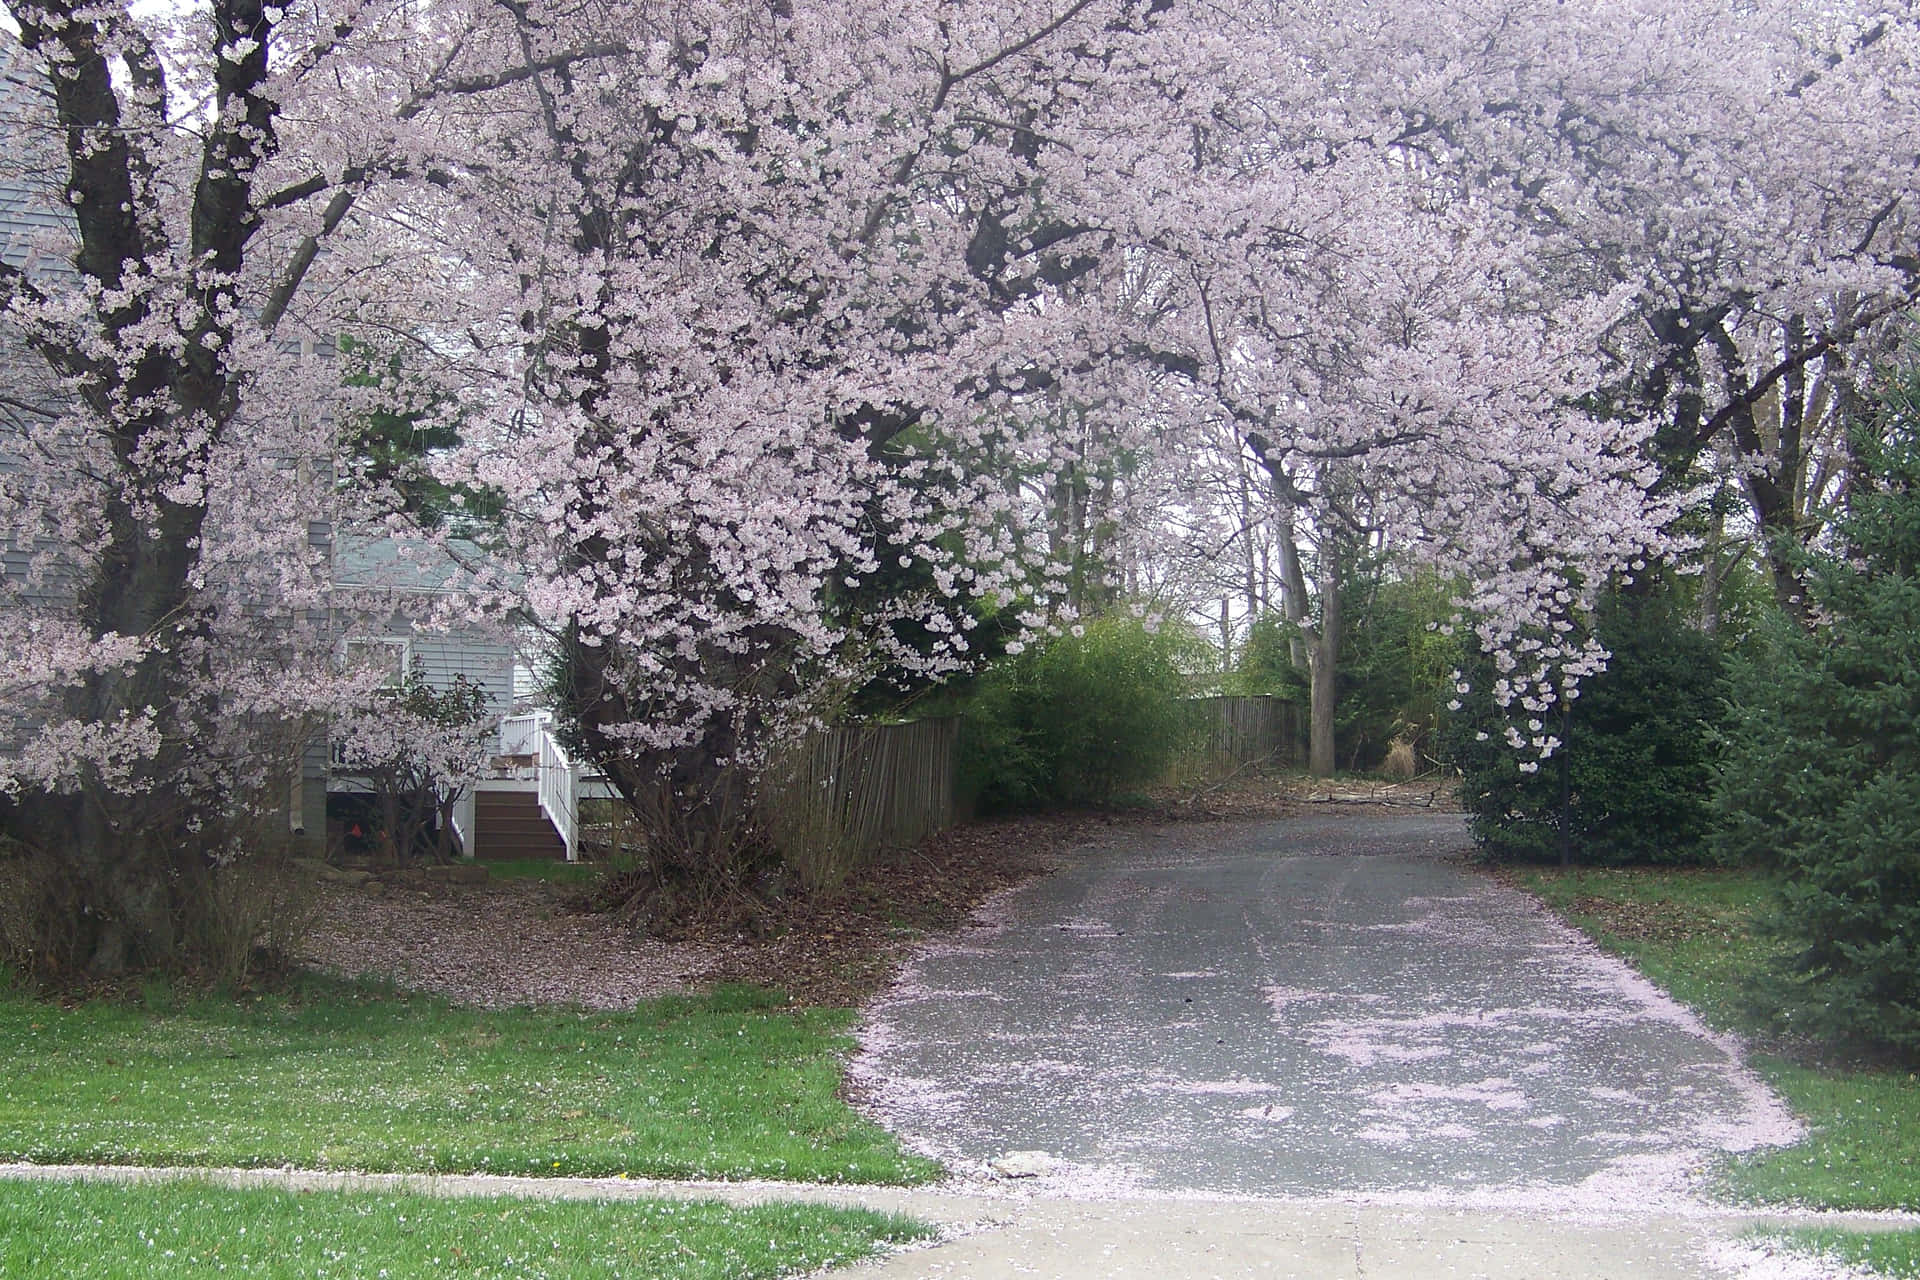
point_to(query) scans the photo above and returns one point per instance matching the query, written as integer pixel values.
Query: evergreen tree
(1823, 777)
(1632, 780)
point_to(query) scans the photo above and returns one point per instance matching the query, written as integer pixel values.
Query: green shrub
(1078, 720)
(1392, 675)
(1639, 755)
(1823, 771)
(1392, 671)
(1265, 668)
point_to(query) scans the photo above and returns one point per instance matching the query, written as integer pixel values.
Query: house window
(386, 654)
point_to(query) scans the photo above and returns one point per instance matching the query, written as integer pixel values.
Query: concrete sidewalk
(1000, 1230)
(1193, 1240)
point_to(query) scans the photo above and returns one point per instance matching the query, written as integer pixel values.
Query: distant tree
(387, 449)
(1395, 661)
(1266, 662)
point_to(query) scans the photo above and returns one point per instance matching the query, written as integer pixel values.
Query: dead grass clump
(1402, 763)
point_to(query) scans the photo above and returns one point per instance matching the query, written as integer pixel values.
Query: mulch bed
(842, 946)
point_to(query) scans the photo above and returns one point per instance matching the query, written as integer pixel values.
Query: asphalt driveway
(1302, 1008)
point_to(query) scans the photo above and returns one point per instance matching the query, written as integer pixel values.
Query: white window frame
(400, 646)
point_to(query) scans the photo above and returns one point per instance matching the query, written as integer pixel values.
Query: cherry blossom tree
(421, 749)
(209, 176)
(1670, 228)
(1393, 369)
(798, 287)
(1739, 169)
(763, 319)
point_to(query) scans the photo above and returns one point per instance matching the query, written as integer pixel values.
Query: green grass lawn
(337, 1076)
(1693, 933)
(189, 1229)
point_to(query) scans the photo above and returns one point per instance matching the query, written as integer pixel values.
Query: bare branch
(1014, 50)
(876, 212)
(1832, 340)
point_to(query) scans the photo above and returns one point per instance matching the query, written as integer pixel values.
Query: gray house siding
(440, 660)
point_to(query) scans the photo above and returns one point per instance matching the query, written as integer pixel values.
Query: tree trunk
(129, 913)
(131, 849)
(1774, 490)
(1323, 648)
(1293, 590)
(1318, 645)
(1713, 572)
(694, 803)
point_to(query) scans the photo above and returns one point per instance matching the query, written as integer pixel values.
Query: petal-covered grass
(549, 870)
(1693, 933)
(189, 1229)
(1690, 931)
(1887, 1253)
(732, 1085)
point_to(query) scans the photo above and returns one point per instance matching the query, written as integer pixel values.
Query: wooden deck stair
(509, 824)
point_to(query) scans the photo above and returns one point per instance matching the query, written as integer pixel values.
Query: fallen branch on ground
(1432, 797)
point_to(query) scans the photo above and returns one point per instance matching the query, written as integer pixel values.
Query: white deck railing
(519, 735)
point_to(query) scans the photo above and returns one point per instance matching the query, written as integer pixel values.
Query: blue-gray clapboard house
(526, 804)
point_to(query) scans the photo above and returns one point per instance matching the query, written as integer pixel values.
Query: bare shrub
(250, 916)
(239, 919)
(40, 911)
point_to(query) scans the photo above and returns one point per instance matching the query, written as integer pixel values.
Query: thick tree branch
(951, 78)
(99, 163)
(467, 86)
(303, 256)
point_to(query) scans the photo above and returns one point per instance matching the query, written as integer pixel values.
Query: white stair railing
(463, 822)
(559, 790)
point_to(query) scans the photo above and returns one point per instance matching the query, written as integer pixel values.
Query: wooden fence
(844, 794)
(1238, 731)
